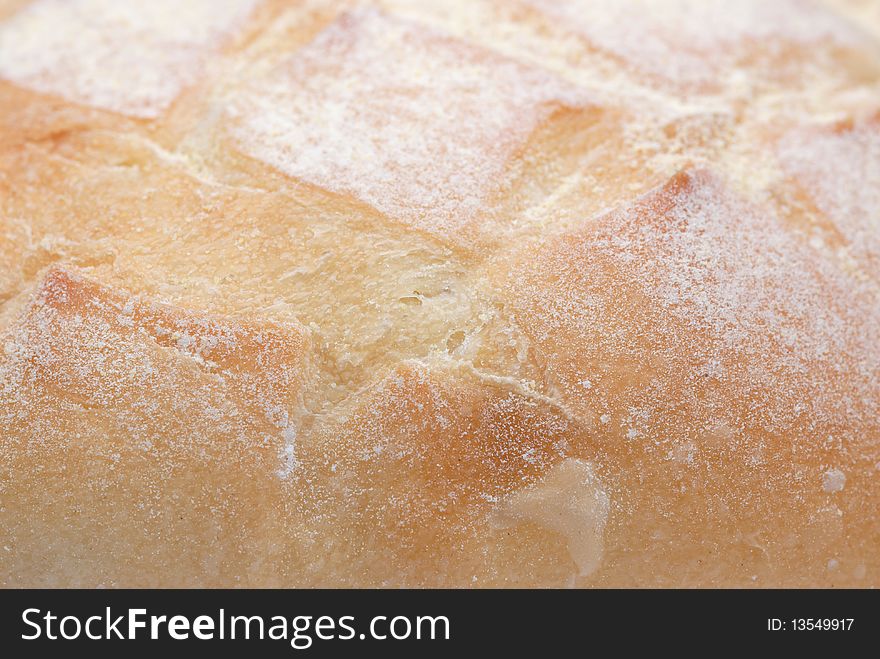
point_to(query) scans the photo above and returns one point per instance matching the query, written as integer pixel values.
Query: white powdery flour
(126, 56)
(417, 124)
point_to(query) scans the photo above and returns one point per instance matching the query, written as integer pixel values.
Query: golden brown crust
(120, 414)
(439, 294)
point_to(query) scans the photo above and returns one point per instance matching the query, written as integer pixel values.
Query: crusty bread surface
(465, 293)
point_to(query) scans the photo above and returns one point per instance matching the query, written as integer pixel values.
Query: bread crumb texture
(462, 293)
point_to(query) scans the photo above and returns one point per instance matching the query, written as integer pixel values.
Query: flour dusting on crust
(125, 56)
(411, 121)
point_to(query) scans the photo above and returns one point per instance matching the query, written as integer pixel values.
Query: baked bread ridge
(440, 294)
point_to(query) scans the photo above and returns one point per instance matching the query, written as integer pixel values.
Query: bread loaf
(450, 294)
